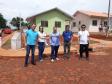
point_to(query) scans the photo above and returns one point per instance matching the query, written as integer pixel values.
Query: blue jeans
(28, 48)
(54, 51)
(41, 47)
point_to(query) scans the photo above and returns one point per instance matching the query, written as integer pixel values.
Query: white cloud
(12, 8)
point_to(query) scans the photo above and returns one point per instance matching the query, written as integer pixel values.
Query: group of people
(34, 38)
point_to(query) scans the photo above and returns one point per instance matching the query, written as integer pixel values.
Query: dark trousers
(41, 47)
(28, 48)
(67, 46)
(84, 49)
(54, 51)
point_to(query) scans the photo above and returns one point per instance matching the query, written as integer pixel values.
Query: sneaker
(41, 60)
(33, 63)
(57, 59)
(52, 60)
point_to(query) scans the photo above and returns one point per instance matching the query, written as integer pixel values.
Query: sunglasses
(83, 27)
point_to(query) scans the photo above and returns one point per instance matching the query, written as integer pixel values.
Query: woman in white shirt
(83, 41)
(41, 42)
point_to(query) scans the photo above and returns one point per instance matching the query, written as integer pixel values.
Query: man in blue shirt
(67, 37)
(31, 40)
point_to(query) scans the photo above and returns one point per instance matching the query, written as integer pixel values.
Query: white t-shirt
(83, 36)
(42, 37)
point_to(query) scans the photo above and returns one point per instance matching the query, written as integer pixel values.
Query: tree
(16, 22)
(24, 24)
(2, 21)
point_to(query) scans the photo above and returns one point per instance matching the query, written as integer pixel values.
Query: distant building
(51, 18)
(93, 20)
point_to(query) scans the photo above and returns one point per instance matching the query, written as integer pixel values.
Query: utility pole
(20, 21)
(21, 30)
(108, 27)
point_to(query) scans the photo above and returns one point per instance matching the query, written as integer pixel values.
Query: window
(79, 22)
(44, 23)
(105, 23)
(57, 24)
(94, 22)
(67, 22)
(74, 24)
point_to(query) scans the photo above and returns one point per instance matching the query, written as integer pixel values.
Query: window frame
(73, 24)
(44, 23)
(58, 24)
(105, 23)
(94, 23)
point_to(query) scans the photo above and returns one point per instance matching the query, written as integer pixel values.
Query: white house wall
(94, 28)
(111, 23)
(83, 19)
(87, 20)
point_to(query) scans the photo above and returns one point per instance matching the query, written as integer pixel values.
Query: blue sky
(25, 8)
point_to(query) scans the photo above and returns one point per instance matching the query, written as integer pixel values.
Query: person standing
(31, 40)
(41, 42)
(0, 39)
(67, 37)
(23, 35)
(83, 41)
(55, 43)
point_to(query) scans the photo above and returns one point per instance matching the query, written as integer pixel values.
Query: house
(93, 20)
(51, 18)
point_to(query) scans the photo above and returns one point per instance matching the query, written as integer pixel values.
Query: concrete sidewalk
(22, 52)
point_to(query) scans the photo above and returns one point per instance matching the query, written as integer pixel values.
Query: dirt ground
(101, 36)
(98, 70)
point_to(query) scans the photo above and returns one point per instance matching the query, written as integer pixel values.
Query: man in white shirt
(83, 41)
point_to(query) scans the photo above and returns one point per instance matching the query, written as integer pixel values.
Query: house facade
(51, 18)
(93, 20)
